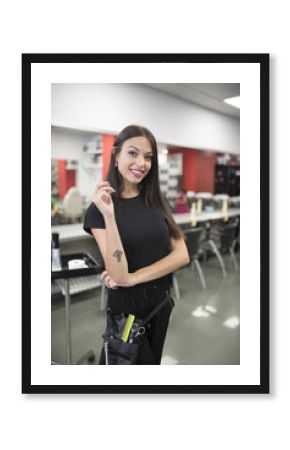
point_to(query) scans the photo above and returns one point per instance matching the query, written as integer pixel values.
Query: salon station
(197, 127)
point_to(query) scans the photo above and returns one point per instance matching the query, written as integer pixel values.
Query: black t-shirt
(144, 234)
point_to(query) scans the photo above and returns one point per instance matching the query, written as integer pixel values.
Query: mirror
(76, 167)
(66, 200)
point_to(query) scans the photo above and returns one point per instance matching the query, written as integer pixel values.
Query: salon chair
(73, 205)
(221, 238)
(192, 241)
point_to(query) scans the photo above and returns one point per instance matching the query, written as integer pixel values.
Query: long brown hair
(149, 186)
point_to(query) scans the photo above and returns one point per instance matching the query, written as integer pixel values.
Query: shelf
(93, 152)
(92, 166)
(78, 285)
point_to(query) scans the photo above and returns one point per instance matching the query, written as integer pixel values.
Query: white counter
(205, 216)
(70, 231)
(75, 231)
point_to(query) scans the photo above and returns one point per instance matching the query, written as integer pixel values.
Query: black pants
(141, 302)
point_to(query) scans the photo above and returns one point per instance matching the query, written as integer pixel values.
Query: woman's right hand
(102, 198)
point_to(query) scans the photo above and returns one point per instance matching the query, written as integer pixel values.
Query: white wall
(68, 144)
(110, 107)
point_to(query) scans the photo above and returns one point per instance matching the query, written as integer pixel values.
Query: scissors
(140, 331)
(136, 332)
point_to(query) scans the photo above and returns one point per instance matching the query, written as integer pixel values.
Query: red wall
(198, 169)
(205, 172)
(107, 144)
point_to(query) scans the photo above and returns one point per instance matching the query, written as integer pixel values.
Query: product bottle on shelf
(55, 252)
(192, 214)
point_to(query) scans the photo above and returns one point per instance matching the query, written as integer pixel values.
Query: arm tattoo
(118, 254)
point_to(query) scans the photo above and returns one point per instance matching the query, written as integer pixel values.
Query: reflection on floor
(204, 328)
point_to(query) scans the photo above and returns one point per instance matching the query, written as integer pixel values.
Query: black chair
(210, 243)
(192, 240)
(222, 238)
(228, 241)
(236, 243)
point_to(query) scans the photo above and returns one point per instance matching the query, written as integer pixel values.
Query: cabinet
(227, 179)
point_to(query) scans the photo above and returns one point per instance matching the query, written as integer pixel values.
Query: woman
(140, 243)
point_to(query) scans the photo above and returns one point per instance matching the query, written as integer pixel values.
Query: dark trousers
(141, 303)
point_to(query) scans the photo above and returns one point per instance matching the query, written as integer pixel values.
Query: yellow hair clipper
(127, 327)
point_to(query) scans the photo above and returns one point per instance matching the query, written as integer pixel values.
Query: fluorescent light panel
(234, 101)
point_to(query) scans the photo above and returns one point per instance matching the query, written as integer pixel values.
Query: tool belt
(125, 335)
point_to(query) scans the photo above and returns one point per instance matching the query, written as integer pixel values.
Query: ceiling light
(234, 101)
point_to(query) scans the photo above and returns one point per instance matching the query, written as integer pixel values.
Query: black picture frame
(263, 61)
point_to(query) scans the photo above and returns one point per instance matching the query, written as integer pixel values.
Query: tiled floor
(204, 328)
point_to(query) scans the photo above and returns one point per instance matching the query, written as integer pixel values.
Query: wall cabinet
(227, 179)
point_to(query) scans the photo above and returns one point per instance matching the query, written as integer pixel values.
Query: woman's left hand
(111, 284)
